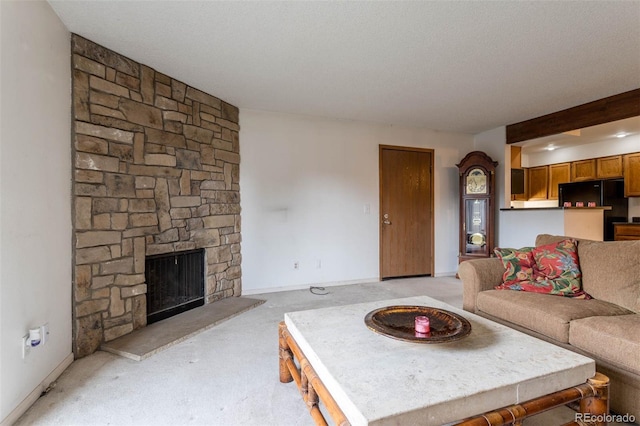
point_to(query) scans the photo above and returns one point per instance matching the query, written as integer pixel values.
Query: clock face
(476, 182)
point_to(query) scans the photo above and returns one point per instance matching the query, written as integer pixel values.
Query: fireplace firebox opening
(175, 283)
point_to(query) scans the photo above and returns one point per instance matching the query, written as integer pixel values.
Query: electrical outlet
(26, 348)
(44, 333)
(296, 265)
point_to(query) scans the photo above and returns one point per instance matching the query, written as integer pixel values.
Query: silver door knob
(386, 222)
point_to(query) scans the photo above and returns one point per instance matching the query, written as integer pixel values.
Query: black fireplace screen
(175, 283)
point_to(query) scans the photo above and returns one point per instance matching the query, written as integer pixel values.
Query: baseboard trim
(445, 274)
(252, 291)
(35, 394)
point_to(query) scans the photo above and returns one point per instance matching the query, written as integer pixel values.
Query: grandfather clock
(477, 205)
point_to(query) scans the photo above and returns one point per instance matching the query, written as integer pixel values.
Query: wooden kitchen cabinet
(538, 182)
(609, 167)
(583, 170)
(626, 231)
(632, 175)
(558, 173)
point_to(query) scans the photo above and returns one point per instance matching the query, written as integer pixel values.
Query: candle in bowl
(422, 324)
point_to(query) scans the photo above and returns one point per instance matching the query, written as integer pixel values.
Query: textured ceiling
(451, 66)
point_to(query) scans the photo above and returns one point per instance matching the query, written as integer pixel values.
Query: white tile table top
(378, 380)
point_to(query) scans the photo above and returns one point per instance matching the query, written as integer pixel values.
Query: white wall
(519, 228)
(304, 184)
(492, 142)
(35, 199)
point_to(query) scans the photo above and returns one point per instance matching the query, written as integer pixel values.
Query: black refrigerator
(609, 192)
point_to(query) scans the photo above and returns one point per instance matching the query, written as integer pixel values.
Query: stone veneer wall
(156, 171)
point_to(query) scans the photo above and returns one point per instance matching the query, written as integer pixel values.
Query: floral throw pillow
(518, 264)
(549, 269)
(558, 286)
(558, 264)
(558, 260)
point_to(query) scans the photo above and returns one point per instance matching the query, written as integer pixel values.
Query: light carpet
(226, 375)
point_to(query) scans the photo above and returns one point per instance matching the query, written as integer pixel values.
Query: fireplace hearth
(175, 283)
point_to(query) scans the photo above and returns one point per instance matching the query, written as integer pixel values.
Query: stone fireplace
(156, 170)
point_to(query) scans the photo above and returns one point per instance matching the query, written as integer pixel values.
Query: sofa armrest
(478, 275)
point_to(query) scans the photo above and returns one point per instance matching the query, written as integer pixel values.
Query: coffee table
(364, 378)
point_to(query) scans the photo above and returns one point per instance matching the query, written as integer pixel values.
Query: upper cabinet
(609, 167)
(558, 173)
(597, 168)
(538, 183)
(583, 170)
(543, 181)
(632, 175)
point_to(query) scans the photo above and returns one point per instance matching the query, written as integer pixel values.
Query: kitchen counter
(589, 208)
(557, 208)
(531, 208)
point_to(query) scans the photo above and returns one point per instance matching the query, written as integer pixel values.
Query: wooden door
(406, 212)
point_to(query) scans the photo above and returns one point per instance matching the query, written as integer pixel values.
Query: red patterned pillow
(519, 264)
(550, 269)
(558, 260)
(558, 286)
(559, 268)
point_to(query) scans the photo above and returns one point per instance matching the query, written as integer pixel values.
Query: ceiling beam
(613, 108)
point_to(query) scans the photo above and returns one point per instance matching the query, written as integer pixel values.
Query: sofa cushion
(615, 339)
(611, 271)
(548, 315)
(518, 264)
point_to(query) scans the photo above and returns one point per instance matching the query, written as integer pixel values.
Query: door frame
(431, 203)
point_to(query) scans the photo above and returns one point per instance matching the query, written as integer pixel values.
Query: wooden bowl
(398, 322)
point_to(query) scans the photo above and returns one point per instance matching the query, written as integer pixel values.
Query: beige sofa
(605, 328)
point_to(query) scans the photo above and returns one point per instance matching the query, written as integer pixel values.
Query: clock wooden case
(477, 205)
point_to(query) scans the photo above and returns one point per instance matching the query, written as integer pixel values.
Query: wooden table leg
(596, 406)
(309, 384)
(284, 356)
